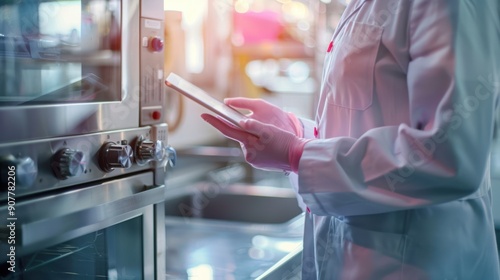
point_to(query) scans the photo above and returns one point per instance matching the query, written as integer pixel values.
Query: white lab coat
(397, 182)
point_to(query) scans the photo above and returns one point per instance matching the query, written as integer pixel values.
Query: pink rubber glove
(266, 112)
(265, 146)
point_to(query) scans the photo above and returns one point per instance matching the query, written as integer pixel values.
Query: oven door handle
(51, 220)
(88, 220)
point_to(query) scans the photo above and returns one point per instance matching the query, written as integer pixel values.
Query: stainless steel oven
(100, 231)
(82, 114)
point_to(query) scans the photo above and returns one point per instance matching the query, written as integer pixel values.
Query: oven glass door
(54, 52)
(110, 230)
(111, 253)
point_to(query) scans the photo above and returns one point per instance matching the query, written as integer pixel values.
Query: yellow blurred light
(296, 10)
(241, 6)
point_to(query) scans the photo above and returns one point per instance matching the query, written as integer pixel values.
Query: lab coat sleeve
(442, 154)
(308, 126)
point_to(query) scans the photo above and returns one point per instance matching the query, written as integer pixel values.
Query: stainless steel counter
(288, 268)
(222, 229)
(203, 251)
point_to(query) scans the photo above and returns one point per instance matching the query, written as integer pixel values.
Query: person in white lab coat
(393, 173)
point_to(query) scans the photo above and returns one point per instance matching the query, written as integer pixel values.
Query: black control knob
(68, 163)
(147, 150)
(112, 155)
(24, 171)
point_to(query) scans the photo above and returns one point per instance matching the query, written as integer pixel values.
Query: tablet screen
(203, 98)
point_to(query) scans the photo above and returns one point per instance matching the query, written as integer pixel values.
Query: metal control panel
(43, 165)
(152, 74)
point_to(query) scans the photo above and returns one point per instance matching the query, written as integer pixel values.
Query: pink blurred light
(258, 27)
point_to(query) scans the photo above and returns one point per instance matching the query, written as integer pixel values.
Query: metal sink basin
(236, 203)
(232, 223)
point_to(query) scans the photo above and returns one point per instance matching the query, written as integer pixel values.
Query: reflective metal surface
(63, 99)
(43, 154)
(140, 100)
(233, 231)
(213, 251)
(58, 52)
(33, 133)
(236, 202)
(289, 267)
(54, 120)
(52, 220)
(97, 255)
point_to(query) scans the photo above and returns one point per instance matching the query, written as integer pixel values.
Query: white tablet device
(203, 98)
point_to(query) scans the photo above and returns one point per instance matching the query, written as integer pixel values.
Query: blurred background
(253, 48)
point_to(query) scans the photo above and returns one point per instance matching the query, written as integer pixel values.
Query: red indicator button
(156, 44)
(156, 115)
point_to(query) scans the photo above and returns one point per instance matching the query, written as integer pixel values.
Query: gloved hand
(268, 113)
(265, 146)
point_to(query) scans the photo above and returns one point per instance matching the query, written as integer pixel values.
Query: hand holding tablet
(203, 98)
